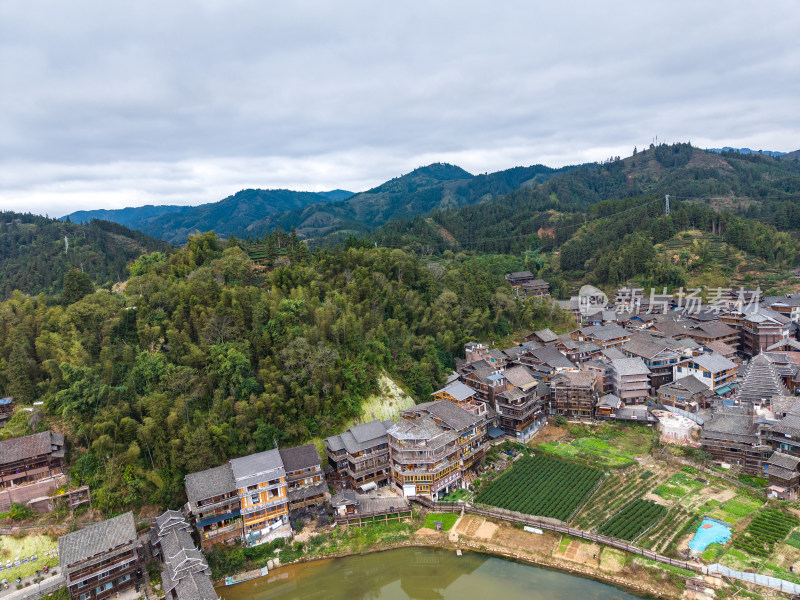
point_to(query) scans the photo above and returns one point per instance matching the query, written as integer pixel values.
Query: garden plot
(542, 486)
(604, 446)
(632, 521)
(616, 491)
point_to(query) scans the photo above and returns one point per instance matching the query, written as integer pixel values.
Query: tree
(77, 284)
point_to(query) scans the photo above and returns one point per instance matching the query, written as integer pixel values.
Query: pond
(422, 574)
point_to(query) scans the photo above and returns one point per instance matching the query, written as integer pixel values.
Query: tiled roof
(645, 349)
(453, 416)
(690, 384)
(520, 377)
(360, 437)
(209, 483)
(629, 366)
(300, 457)
(457, 390)
(256, 464)
(610, 400)
(760, 381)
(29, 446)
(786, 461)
(96, 539)
(735, 424)
(546, 335)
(715, 363)
(574, 378)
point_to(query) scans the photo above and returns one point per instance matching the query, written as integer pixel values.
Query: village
(661, 433)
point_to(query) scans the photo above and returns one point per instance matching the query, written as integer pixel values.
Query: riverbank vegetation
(229, 560)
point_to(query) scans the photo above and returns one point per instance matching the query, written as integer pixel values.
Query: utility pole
(666, 206)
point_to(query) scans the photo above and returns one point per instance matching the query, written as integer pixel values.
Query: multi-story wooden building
(261, 482)
(687, 393)
(30, 467)
(215, 506)
(250, 497)
(305, 480)
(783, 472)
(787, 306)
(714, 331)
(573, 394)
(658, 358)
(631, 379)
(433, 446)
(101, 559)
(760, 382)
(605, 336)
(30, 459)
(462, 396)
(360, 455)
(758, 328)
(521, 408)
(733, 436)
(713, 370)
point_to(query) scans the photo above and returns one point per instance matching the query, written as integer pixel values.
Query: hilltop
(36, 252)
(229, 216)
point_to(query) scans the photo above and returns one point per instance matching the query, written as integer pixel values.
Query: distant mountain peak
(441, 171)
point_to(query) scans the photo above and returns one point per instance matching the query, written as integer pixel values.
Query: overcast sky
(109, 104)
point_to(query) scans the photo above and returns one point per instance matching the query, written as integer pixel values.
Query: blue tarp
(5, 401)
(218, 518)
(495, 433)
(710, 532)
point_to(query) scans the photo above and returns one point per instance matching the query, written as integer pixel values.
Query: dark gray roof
(605, 332)
(613, 353)
(630, 366)
(29, 446)
(546, 335)
(254, 465)
(307, 491)
(96, 539)
(344, 498)
(690, 384)
(300, 457)
(453, 416)
(786, 461)
(551, 356)
(360, 437)
(644, 348)
(195, 586)
(760, 381)
(610, 400)
(520, 377)
(735, 424)
(209, 483)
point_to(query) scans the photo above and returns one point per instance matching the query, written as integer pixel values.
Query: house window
(83, 596)
(103, 588)
(82, 583)
(254, 499)
(707, 374)
(124, 579)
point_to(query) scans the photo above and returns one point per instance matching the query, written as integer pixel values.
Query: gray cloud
(108, 105)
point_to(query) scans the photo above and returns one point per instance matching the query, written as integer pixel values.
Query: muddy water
(422, 574)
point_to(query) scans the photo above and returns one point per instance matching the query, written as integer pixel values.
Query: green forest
(37, 252)
(201, 357)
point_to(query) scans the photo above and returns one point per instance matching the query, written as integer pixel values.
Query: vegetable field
(542, 486)
(633, 520)
(763, 532)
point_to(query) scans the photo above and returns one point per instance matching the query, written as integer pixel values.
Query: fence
(374, 516)
(765, 580)
(554, 525)
(700, 420)
(37, 590)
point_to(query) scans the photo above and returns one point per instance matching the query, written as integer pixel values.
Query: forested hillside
(437, 186)
(229, 216)
(203, 357)
(37, 252)
(604, 219)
